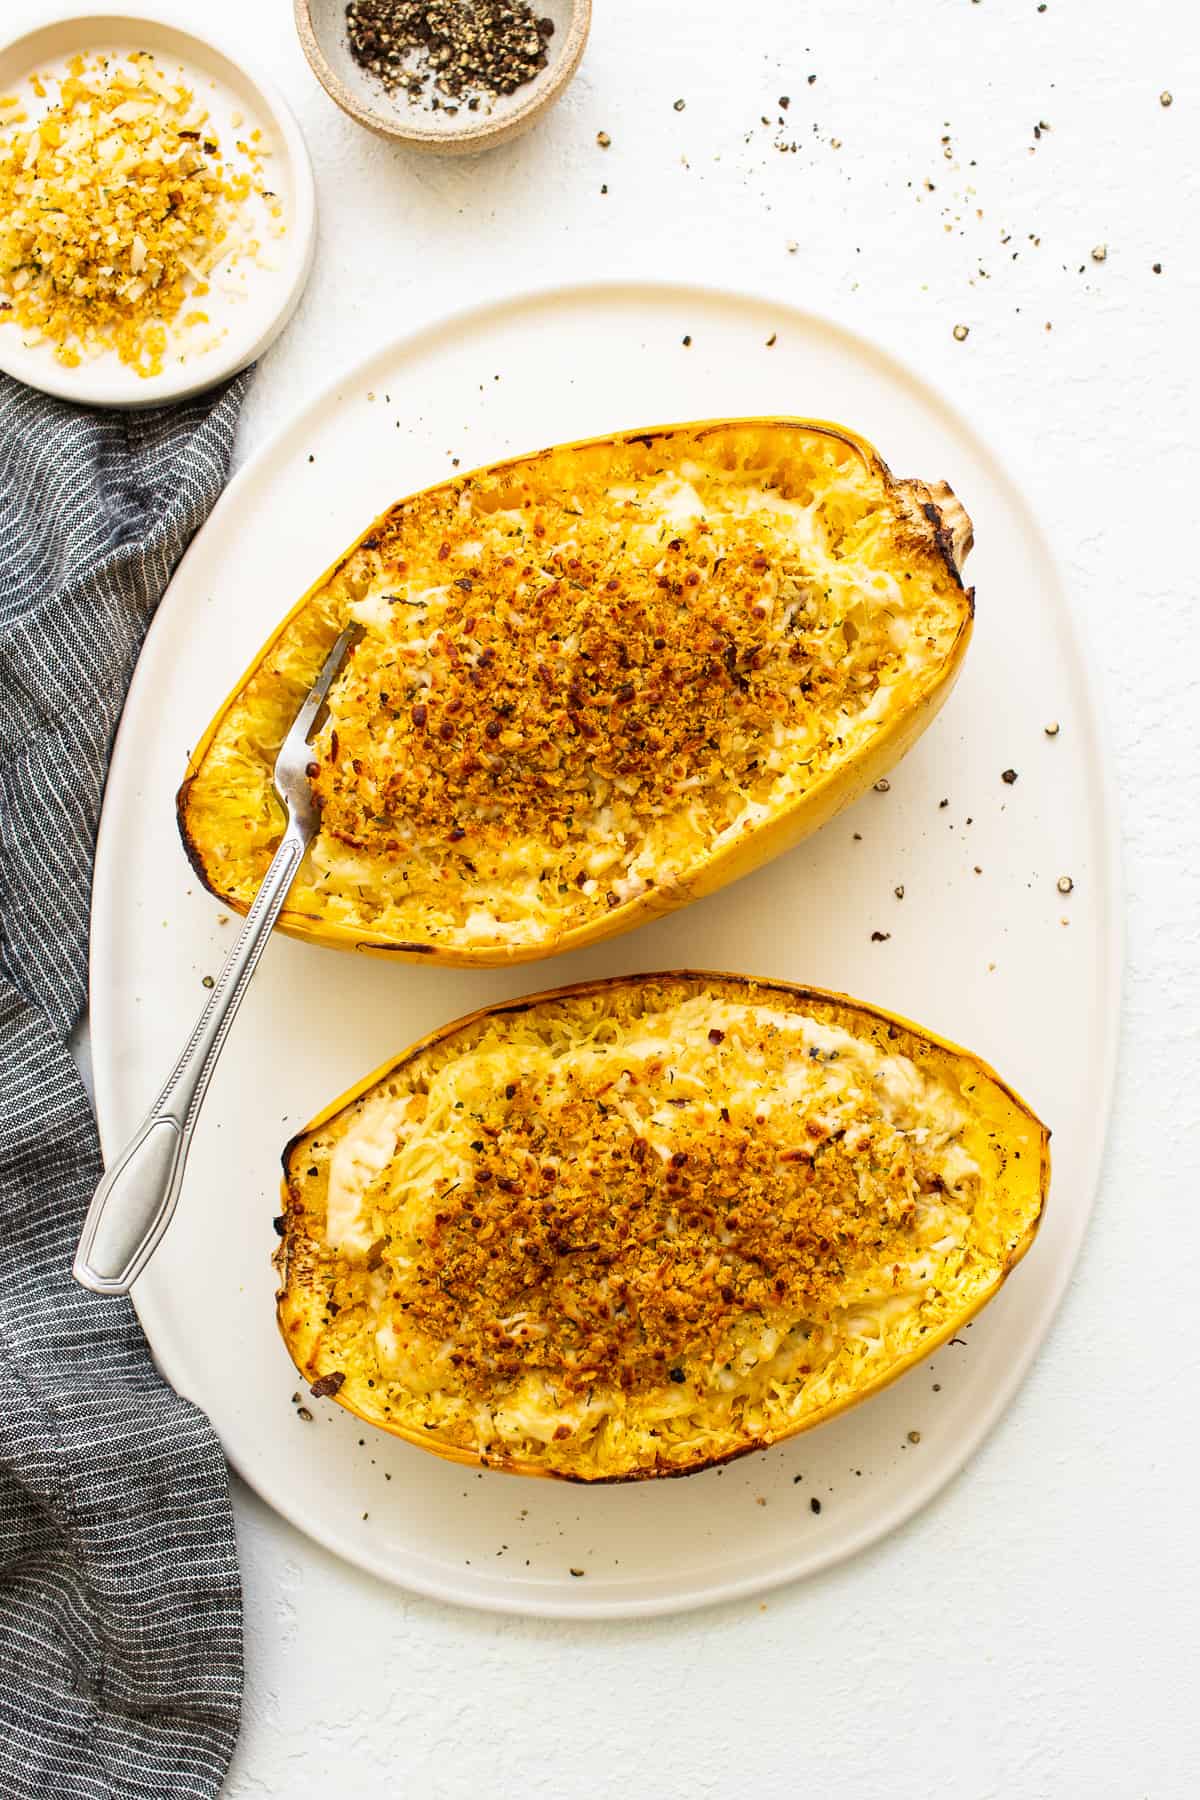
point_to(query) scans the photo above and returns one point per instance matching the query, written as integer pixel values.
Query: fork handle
(138, 1193)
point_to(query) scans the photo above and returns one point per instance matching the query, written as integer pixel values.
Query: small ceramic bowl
(322, 28)
(249, 307)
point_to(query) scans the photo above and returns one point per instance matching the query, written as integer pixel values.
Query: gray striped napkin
(120, 1605)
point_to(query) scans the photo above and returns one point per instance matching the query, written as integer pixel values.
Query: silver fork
(137, 1196)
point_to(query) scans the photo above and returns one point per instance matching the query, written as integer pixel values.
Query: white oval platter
(983, 948)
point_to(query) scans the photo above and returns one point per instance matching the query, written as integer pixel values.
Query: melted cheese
(388, 1170)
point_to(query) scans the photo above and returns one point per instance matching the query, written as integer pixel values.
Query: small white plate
(981, 957)
(248, 306)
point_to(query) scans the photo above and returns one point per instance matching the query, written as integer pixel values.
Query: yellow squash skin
(1008, 1143)
(218, 811)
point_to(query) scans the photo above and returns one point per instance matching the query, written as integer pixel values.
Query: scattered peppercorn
(880, 937)
(679, 105)
(603, 139)
(815, 1504)
(303, 1413)
(1100, 253)
(464, 50)
(914, 1437)
(1008, 777)
(899, 891)
(883, 785)
(208, 981)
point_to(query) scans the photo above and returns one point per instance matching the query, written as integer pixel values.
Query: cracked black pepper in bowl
(448, 52)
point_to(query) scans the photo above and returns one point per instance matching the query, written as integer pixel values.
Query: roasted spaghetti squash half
(637, 1227)
(593, 683)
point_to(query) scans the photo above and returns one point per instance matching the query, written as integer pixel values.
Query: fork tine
(318, 692)
(291, 765)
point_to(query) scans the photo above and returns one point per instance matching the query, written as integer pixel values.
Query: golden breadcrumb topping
(624, 1265)
(571, 667)
(649, 1223)
(589, 681)
(115, 207)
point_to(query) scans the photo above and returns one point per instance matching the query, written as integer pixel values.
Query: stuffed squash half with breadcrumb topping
(636, 1227)
(592, 684)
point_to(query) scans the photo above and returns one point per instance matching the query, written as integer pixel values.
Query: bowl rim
(202, 375)
(475, 133)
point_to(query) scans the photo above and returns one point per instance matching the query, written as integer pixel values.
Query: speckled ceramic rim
(209, 372)
(473, 135)
(687, 1597)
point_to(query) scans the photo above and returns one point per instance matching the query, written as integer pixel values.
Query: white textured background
(1034, 1632)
